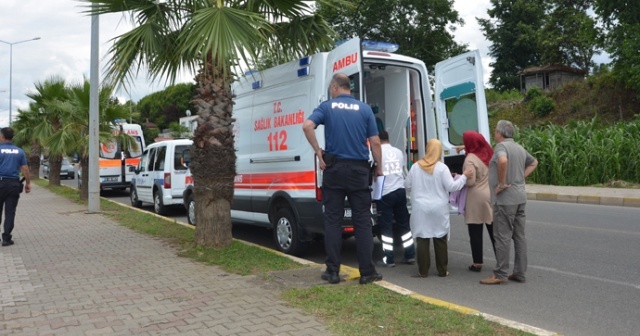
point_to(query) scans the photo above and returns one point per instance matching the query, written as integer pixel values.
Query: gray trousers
(508, 224)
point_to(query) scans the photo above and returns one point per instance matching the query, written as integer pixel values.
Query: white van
(278, 180)
(160, 177)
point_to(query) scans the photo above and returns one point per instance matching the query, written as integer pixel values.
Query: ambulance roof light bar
(375, 45)
(379, 46)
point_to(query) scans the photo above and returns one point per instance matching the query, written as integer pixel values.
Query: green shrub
(532, 93)
(541, 106)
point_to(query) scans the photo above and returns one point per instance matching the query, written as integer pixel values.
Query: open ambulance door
(460, 103)
(347, 59)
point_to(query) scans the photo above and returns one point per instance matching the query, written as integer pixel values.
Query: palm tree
(211, 36)
(46, 97)
(74, 135)
(24, 126)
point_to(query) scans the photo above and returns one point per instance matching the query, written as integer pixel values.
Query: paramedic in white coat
(429, 182)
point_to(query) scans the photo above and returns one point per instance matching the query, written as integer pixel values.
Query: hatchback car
(67, 170)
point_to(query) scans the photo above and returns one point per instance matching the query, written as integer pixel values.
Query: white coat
(430, 199)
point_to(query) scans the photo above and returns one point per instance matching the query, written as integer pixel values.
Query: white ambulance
(278, 180)
(116, 164)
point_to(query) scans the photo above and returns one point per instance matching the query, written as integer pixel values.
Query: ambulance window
(177, 156)
(160, 158)
(152, 159)
(463, 116)
(135, 150)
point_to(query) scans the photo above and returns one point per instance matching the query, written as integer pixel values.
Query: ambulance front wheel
(286, 233)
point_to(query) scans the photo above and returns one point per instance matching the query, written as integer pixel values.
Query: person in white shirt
(429, 183)
(393, 205)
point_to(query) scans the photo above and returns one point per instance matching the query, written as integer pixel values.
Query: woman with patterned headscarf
(429, 182)
(478, 210)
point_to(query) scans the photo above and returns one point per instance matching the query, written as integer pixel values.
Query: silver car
(67, 170)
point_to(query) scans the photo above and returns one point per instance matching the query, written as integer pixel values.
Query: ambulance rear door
(347, 59)
(460, 103)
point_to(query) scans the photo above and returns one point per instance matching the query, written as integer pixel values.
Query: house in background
(189, 122)
(549, 76)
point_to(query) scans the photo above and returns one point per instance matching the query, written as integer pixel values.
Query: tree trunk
(34, 161)
(213, 163)
(55, 163)
(213, 215)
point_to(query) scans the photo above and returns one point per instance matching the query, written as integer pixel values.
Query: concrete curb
(584, 199)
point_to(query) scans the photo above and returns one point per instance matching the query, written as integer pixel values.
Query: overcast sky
(65, 37)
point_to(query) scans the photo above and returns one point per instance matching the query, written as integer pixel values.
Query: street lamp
(11, 68)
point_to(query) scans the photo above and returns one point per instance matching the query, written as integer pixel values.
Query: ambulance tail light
(167, 180)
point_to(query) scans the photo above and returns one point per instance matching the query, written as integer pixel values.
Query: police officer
(12, 160)
(349, 123)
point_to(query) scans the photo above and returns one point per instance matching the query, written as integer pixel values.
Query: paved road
(583, 276)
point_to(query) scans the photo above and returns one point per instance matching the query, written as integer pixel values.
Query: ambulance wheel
(135, 202)
(285, 233)
(158, 207)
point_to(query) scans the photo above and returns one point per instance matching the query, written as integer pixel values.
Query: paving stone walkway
(72, 273)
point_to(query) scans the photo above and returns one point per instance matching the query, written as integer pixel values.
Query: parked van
(278, 177)
(160, 176)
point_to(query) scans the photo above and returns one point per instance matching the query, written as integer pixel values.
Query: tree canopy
(512, 28)
(421, 28)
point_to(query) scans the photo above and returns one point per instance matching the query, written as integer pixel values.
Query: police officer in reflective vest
(393, 205)
(12, 160)
(348, 124)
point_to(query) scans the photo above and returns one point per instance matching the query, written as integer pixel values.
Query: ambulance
(117, 164)
(278, 178)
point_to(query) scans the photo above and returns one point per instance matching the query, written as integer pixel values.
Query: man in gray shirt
(508, 168)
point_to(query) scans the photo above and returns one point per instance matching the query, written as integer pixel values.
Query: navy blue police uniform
(348, 125)
(11, 159)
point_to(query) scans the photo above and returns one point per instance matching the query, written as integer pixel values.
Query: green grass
(348, 309)
(352, 309)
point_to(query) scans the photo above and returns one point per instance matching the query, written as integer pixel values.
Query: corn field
(584, 153)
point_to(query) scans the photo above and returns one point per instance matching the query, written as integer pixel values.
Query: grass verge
(347, 309)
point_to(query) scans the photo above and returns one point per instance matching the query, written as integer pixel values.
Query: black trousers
(475, 240)
(394, 206)
(9, 195)
(350, 180)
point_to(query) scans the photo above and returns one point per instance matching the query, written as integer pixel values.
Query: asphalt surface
(73, 273)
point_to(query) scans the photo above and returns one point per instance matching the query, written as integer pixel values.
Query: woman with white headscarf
(429, 182)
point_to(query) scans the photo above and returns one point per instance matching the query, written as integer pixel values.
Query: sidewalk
(72, 273)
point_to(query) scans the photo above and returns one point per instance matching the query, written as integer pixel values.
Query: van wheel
(191, 210)
(285, 233)
(135, 202)
(158, 207)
